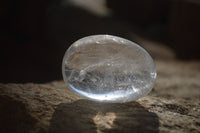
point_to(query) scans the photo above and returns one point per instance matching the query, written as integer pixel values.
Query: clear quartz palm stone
(109, 69)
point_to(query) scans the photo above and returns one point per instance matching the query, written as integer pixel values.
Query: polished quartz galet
(109, 69)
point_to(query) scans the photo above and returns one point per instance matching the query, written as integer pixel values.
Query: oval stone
(109, 69)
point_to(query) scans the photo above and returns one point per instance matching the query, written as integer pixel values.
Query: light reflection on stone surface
(109, 69)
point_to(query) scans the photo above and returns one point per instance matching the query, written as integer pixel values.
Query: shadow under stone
(88, 116)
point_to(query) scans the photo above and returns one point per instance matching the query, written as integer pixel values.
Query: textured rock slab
(172, 106)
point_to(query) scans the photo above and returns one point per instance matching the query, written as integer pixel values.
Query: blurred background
(34, 34)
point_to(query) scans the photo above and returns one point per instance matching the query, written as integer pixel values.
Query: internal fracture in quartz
(108, 68)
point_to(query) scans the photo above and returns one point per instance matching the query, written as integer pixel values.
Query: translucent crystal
(108, 68)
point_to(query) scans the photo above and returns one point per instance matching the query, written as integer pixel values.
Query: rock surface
(172, 106)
